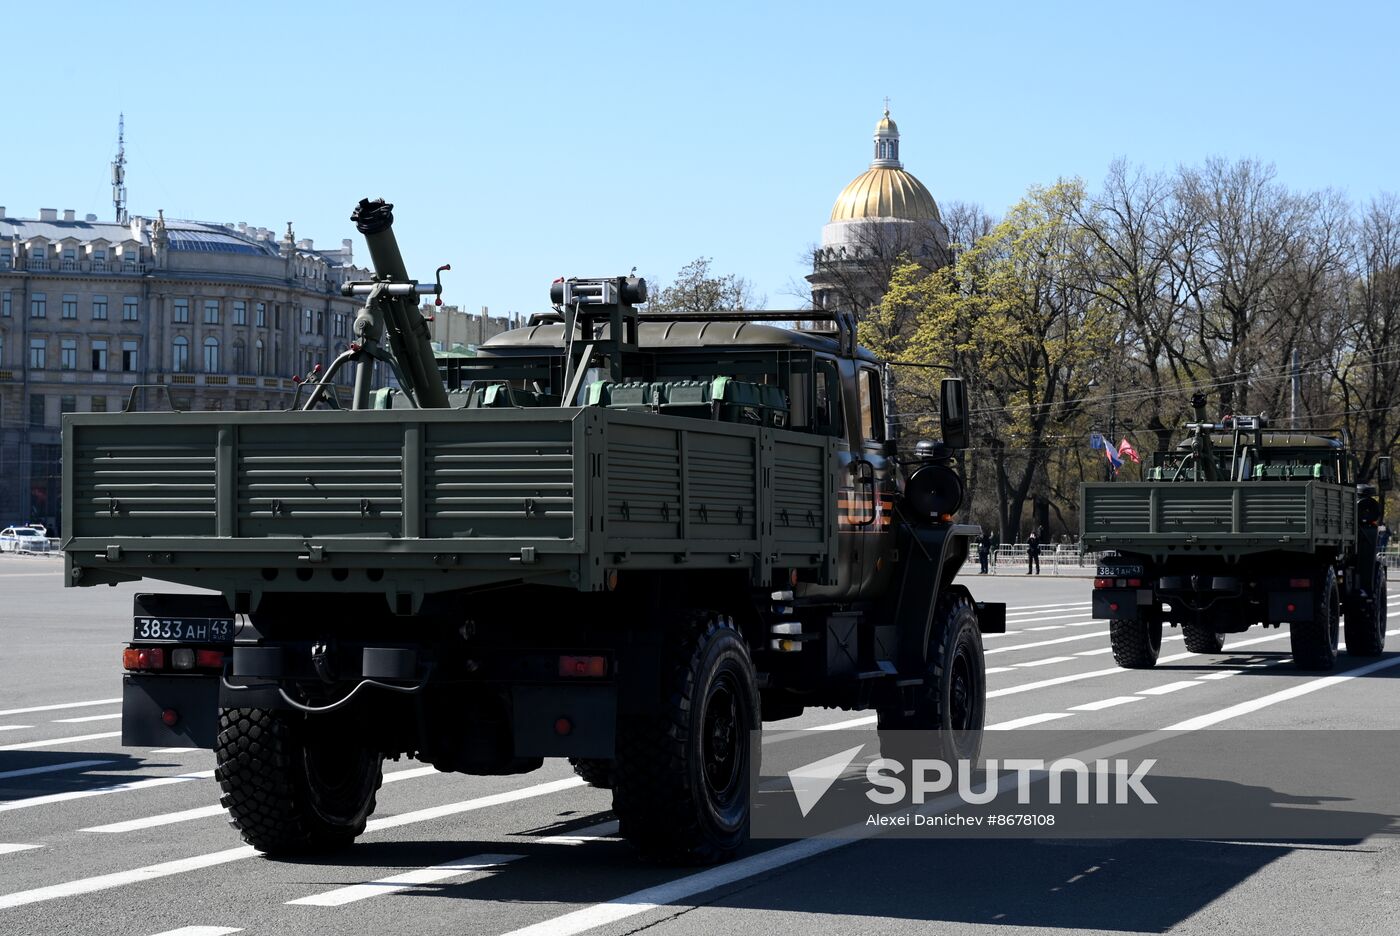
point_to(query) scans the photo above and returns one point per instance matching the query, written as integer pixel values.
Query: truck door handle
(865, 475)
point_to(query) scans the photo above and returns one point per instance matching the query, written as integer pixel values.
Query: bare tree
(695, 289)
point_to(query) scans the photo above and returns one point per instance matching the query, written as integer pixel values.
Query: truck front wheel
(681, 784)
(1136, 643)
(1365, 619)
(292, 786)
(1314, 643)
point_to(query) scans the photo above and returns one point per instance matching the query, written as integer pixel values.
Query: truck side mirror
(952, 413)
(1384, 473)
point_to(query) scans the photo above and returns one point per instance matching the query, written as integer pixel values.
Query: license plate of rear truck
(183, 630)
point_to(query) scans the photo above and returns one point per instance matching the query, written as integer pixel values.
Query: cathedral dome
(885, 190)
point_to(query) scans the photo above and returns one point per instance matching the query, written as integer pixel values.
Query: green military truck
(1243, 525)
(618, 538)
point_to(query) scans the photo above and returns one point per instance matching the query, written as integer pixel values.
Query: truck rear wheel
(1136, 644)
(291, 787)
(1202, 639)
(1365, 619)
(953, 698)
(1314, 643)
(681, 786)
(594, 771)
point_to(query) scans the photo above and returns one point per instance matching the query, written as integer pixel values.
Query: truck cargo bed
(433, 500)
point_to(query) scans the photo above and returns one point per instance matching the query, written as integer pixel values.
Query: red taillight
(563, 727)
(583, 666)
(1134, 583)
(1291, 608)
(143, 658)
(209, 659)
(1113, 606)
(1103, 583)
(1300, 583)
(170, 717)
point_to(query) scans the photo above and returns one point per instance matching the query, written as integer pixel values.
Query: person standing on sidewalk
(1033, 554)
(984, 550)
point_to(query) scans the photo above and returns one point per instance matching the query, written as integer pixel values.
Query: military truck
(1243, 525)
(615, 537)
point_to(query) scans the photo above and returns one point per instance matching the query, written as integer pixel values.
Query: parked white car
(23, 539)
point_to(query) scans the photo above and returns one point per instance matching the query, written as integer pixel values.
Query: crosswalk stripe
(28, 802)
(398, 882)
(54, 768)
(9, 849)
(74, 739)
(61, 705)
(580, 836)
(1045, 662)
(1028, 721)
(1106, 703)
(87, 718)
(14, 727)
(150, 822)
(1169, 687)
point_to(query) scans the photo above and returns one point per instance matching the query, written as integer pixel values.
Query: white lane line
(202, 931)
(173, 750)
(8, 805)
(87, 718)
(14, 727)
(1043, 617)
(1105, 703)
(398, 882)
(1222, 674)
(1027, 721)
(410, 774)
(1283, 695)
(1095, 652)
(848, 723)
(27, 745)
(1041, 643)
(61, 705)
(150, 822)
(54, 768)
(214, 859)
(1045, 628)
(998, 669)
(1045, 662)
(10, 849)
(587, 834)
(1064, 604)
(1170, 687)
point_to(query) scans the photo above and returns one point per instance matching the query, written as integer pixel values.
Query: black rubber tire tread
(955, 620)
(1366, 619)
(655, 794)
(1136, 644)
(1201, 639)
(1314, 643)
(259, 757)
(595, 771)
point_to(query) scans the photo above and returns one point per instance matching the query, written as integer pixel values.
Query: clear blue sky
(524, 141)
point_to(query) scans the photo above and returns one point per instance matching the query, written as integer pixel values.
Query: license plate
(184, 630)
(1116, 571)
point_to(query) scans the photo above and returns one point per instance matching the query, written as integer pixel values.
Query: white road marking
(848, 723)
(1169, 687)
(410, 774)
(61, 705)
(54, 768)
(28, 745)
(1041, 643)
(398, 882)
(1064, 604)
(173, 750)
(202, 931)
(1095, 652)
(1045, 628)
(214, 859)
(1045, 662)
(998, 669)
(149, 822)
(14, 727)
(8, 805)
(87, 718)
(1105, 703)
(1043, 617)
(9, 849)
(1222, 674)
(588, 834)
(1027, 721)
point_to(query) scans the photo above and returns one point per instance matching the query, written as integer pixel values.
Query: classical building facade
(883, 215)
(222, 315)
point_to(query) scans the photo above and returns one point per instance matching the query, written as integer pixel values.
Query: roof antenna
(119, 173)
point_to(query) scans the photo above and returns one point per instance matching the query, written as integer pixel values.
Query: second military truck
(1243, 525)
(618, 538)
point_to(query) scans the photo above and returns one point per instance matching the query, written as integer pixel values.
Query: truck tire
(594, 771)
(1136, 644)
(1365, 619)
(291, 788)
(681, 785)
(1314, 643)
(1202, 639)
(953, 698)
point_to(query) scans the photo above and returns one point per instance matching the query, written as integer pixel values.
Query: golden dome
(886, 125)
(884, 192)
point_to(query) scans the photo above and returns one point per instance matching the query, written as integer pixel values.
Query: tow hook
(320, 659)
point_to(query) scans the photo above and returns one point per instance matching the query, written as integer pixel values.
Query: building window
(241, 403)
(38, 306)
(320, 323)
(129, 349)
(6, 305)
(68, 354)
(240, 312)
(211, 311)
(99, 308)
(306, 322)
(38, 353)
(182, 311)
(130, 309)
(67, 404)
(260, 357)
(211, 355)
(340, 325)
(260, 315)
(70, 306)
(239, 355)
(36, 409)
(99, 404)
(213, 403)
(70, 258)
(99, 265)
(180, 355)
(99, 354)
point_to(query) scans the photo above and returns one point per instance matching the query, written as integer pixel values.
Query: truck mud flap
(1291, 606)
(1117, 604)
(170, 711)
(991, 617)
(564, 721)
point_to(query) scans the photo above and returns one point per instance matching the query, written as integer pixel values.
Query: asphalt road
(96, 838)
